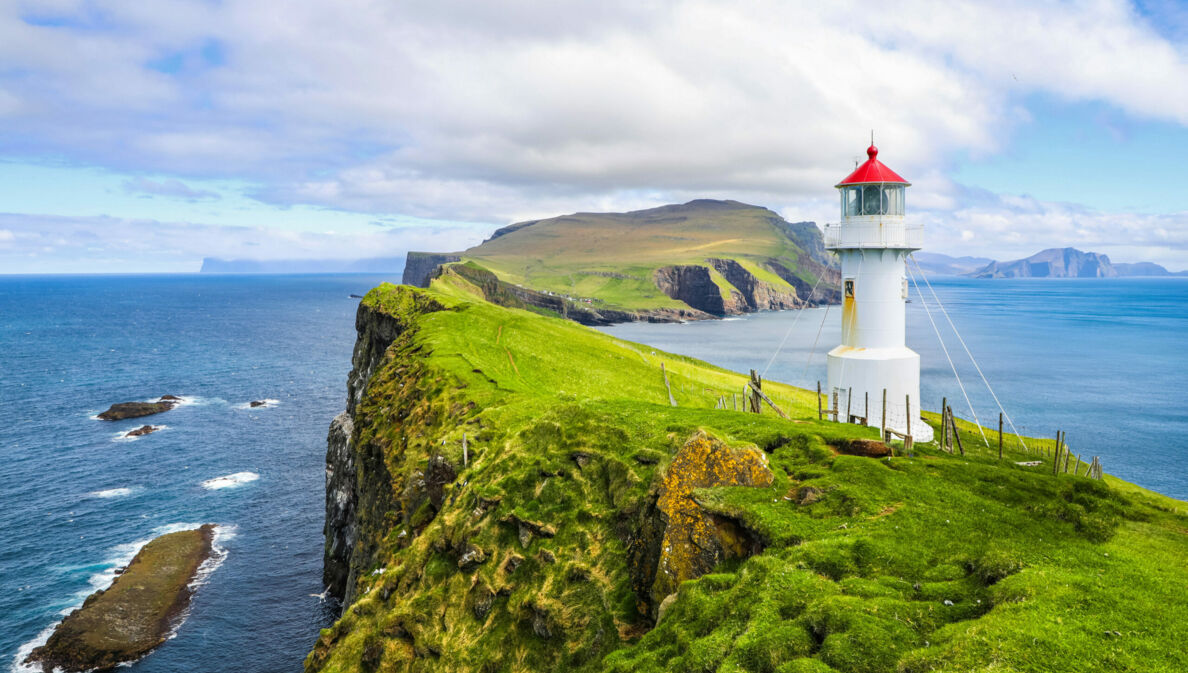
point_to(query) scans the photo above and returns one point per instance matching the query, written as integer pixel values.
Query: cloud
(497, 112)
(52, 244)
(458, 109)
(167, 187)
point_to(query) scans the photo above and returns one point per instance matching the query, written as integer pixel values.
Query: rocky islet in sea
(122, 410)
(136, 613)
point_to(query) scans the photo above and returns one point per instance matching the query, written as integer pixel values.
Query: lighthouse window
(893, 200)
(872, 204)
(849, 285)
(852, 201)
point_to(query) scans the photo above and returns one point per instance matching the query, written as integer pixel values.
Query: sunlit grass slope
(911, 563)
(611, 257)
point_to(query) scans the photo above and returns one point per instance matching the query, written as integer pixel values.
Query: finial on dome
(872, 151)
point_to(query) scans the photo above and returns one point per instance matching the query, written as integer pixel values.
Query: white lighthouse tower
(873, 241)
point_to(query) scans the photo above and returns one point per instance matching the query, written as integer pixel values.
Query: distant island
(1069, 263)
(367, 265)
(696, 260)
(1050, 263)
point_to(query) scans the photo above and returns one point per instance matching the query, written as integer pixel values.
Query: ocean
(1102, 359)
(77, 500)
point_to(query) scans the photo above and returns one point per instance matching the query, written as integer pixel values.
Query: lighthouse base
(859, 376)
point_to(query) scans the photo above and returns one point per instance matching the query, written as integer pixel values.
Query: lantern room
(872, 189)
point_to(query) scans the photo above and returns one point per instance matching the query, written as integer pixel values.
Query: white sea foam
(122, 555)
(230, 481)
(268, 404)
(18, 665)
(114, 492)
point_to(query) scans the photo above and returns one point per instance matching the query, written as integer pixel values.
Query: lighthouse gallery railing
(875, 233)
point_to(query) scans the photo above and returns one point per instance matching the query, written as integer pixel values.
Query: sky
(145, 136)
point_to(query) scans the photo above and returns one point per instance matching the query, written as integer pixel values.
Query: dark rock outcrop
(122, 410)
(755, 294)
(420, 267)
(869, 448)
(677, 538)
(257, 403)
(692, 284)
(136, 613)
(141, 431)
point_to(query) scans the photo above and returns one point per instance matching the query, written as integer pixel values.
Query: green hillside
(589, 525)
(752, 257)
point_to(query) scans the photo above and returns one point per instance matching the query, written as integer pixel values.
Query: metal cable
(946, 351)
(945, 313)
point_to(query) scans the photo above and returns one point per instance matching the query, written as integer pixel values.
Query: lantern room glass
(858, 200)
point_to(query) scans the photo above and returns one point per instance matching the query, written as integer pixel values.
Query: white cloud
(495, 112)
(57, 244)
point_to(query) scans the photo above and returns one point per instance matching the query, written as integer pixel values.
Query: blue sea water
(75, 500)
(1102, 359)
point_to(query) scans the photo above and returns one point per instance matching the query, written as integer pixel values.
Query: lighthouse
(872, 242)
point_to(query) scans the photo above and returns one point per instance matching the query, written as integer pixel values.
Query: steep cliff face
(359, 490)
(756, 294)
(419, 267)
(692, 284)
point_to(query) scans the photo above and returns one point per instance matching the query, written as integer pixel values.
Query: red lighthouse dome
(873, 171)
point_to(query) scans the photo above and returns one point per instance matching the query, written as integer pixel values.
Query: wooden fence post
(907, 402)
(818, 400)
(956, 434)
(465, 451)
(945, 424)
(883, 424)
(1056, 455)
(833, 409)
(866, 409)
(849, 398)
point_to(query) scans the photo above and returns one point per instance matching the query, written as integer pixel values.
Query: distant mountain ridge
(1051, 263)
(684, 261)
(1068, 263)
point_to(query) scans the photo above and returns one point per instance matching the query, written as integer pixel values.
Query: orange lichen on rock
(695, 540)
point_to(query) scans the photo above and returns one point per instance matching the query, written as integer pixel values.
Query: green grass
(912, 563)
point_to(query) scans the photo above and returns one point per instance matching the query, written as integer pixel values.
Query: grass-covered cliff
(694, 260)
(592, 526)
